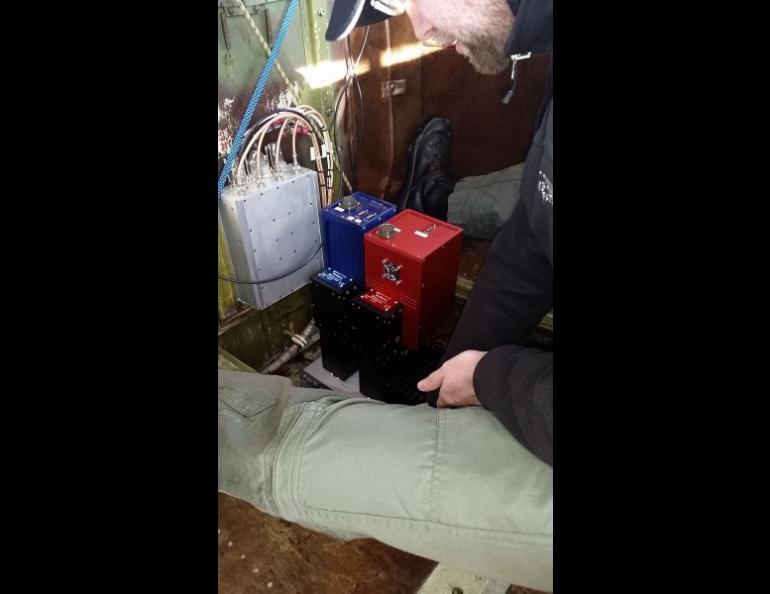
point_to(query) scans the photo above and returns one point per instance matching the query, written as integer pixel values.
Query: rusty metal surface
(260, 335)
(229, 361)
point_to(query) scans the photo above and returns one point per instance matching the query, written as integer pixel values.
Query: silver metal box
(271, 231)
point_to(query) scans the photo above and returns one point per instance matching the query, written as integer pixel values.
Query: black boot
(428, 184)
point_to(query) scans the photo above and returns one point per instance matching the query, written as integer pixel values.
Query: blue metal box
(344, 224)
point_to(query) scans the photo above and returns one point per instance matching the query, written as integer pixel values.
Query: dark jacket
(514, 289)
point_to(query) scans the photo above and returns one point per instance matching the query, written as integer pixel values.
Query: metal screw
(321, 12)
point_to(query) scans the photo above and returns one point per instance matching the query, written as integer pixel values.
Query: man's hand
(455, 378)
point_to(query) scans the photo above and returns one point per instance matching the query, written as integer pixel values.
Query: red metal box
(413, 259)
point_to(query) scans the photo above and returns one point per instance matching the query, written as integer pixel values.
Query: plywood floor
(260, 553)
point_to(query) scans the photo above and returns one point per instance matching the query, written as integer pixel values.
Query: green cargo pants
(447, 484)
(482, 203)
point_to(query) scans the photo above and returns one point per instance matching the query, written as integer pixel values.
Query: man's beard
(486, 58)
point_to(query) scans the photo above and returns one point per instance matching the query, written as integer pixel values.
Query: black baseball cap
(347, 14)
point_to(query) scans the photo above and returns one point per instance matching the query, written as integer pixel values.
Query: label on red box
(379, 300)
(425, 233)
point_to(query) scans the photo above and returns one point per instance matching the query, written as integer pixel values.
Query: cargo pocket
(248, 404)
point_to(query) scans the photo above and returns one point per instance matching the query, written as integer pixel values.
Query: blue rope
(256, 95)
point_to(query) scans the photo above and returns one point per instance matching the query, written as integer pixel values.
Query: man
(483, 364)
(452, 484)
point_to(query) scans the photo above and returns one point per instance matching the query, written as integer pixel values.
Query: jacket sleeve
(516, 385)
(512, 293)
(509, 299)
